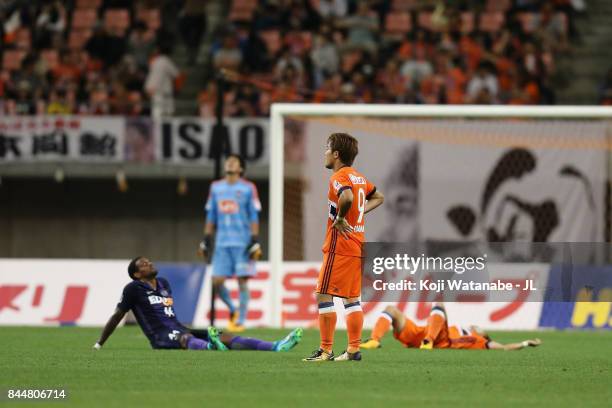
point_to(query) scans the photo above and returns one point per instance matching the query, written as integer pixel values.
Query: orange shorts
(340, 276)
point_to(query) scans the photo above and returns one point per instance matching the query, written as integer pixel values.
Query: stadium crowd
(105, 56)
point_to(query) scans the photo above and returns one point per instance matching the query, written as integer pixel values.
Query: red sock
(435, 322)
(382, 326)
(327, 325)
(354, 325)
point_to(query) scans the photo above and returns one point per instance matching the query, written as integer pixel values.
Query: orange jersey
(453, 337)
(347, 178)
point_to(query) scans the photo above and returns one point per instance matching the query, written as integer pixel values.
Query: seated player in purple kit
(150, 298)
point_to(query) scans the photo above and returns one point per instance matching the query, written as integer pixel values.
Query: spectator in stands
(108, 47)
(228, 56)
(59, 103)
(192, 24)
(255, 52)
(362, 28)
(483, 87)
(141, 45)
(325, 58)
(333, 8)
(50, 25)
(159, 84)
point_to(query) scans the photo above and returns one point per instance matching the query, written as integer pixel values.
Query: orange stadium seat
(88, 4)
(84, 18)
(241, 15)
(152, 17)
(498, 5)
(11, 60)
(467, 22)
(424, 21)
(272, 38)
(50, 57)
(117, 19)
(403, 5)
(23, 39)
(78, 38)
(398, 23)
(491, 22)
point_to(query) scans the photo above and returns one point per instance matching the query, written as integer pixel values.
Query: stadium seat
(23, 39)
(403, 5)
(467, 22)
(244, 15)
(424, 21)
(527, 21)
(272, 38)
(11, 59)
(84, 18)
(88, 4)
(398, 23)
(78, 38)
(151, 17)
(50, 57)
(117, 19)
(491, 22)
(498, 5)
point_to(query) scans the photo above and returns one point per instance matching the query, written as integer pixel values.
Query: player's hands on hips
(342, 226)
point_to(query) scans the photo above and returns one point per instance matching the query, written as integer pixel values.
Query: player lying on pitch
(150, 298)
(437, 333)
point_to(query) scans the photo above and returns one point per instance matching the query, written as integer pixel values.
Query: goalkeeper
(232, 215)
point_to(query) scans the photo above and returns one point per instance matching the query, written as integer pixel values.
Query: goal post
(281, 111)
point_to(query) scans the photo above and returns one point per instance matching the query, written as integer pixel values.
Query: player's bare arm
(110, 327)
(344, 204)
(493, 345)
(374, 201)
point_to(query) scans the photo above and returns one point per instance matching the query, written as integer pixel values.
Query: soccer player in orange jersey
(350, 197)
(437, 333)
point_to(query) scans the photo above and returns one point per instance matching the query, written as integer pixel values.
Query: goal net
(450, 175)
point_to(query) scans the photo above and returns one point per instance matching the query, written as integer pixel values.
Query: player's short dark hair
(346, 146)
(133, 268)
(240, 159)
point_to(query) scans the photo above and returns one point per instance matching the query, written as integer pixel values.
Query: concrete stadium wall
(90, 218)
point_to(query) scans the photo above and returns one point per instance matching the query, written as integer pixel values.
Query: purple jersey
(153, 311)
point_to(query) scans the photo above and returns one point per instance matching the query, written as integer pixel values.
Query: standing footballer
(232, 211)
(350, 197)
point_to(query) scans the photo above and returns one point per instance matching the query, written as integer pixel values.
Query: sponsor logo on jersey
(359, 228)
(156, 300)
(228, 207)
(357, 179)
(337, 185)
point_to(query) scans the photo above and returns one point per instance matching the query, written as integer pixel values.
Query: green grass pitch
(569, 369)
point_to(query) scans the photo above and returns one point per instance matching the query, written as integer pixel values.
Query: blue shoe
(290, 341)
(213, 338)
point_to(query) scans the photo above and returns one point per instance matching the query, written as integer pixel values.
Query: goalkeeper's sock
(435, 322)
(354, 325)
(248, 343)
(244, 303)
(225, 297)
(327, 325)
(197, 344)
(382, 326)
